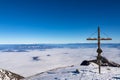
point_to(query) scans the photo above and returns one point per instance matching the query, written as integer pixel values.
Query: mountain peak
(7, 75)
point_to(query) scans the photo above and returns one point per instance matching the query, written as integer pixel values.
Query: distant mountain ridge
(25, 47)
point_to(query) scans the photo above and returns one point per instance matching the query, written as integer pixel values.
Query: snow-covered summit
(79, 73)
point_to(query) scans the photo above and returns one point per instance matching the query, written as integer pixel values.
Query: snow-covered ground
(36, 61)
(85, 73)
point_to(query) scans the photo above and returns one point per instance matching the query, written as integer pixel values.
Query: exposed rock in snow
(104, 62)
(7, 75)
(85, 63)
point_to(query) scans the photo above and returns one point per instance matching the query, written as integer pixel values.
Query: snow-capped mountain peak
(7, 75)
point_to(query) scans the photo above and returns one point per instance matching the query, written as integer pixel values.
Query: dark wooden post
(99, 51)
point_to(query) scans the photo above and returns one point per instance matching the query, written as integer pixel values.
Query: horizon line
(52, 43)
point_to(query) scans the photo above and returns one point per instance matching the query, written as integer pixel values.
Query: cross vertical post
(99, 50)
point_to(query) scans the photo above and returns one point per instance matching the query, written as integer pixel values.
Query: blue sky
(57, 21)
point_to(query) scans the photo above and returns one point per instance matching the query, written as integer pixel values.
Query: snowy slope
(85, 73)
(7, 75)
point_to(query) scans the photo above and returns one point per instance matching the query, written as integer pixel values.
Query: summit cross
(99, 50)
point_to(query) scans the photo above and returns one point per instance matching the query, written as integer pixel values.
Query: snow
(85, 73)
(48, 60)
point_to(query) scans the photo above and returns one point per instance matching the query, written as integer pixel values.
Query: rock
(104, 62)
(85, 63)
(113, 64)
(76, 71)
(7, 75)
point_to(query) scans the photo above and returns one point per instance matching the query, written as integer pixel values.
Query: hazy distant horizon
(53, 43)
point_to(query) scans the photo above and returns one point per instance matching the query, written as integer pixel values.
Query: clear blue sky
(57, 21)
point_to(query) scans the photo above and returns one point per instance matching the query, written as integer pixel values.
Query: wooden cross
(99, 50)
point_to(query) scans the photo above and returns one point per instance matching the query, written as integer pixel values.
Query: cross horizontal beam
(100, 38)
